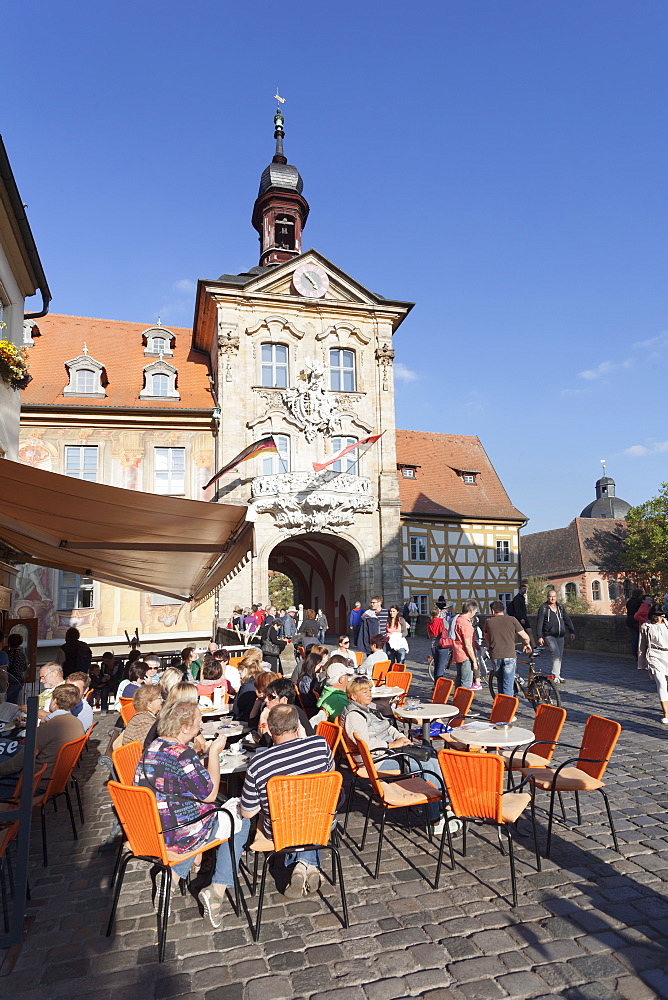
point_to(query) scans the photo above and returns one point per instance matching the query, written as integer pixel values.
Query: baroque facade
(127, 405)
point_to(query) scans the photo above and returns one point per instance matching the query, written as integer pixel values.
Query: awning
(163, 545)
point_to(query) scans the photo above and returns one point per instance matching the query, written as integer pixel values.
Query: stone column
(130, 462)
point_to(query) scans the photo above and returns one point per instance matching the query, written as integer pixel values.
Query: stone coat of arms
(311, 404)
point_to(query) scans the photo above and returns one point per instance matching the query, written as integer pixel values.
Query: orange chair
(598, 742)
(359, 656)
(462, 701)
(357, 770)
(9, 833)
(398, 792)
(330, 731)
(137, 811)
(399, 679)
(302, 808)
(475, 787)
(397, 667)
(504, 709)
(68, 755)
(379, 672)
(234, 661)
(442, 690)
(127, 708)
(125, 760)
(547, 728)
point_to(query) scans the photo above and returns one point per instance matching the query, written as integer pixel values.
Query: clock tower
(280, 211)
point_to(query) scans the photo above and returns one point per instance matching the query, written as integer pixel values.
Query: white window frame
(505, 600)
(271, 465)
(162, 601)
(160, 367)
(423, 602)
(503, 550)
(468, 478)
(162, 332)
(338, 370)
(409, 473)
(77, 595)
(349, 462)
(174, 485)
(84, 363)
(418, 548)
(87, 375)
(570, 583)
(597, 584)
(271, 369)
(80, 469)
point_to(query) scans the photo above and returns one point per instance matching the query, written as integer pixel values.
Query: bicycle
(538, 689)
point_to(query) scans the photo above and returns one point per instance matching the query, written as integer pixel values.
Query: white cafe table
(426, 714)
(386, 692)
(490, 736)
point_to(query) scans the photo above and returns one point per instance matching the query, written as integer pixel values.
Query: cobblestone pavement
(591, 926)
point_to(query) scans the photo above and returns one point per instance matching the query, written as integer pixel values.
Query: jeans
(396, 655)
(307, 857)
(504, 669)
(556, 647)
(321, 636)
(223, 874)
(464, 674)
(430, 766)
(441, 657)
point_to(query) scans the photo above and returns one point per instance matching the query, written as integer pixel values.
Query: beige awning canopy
(163, 545)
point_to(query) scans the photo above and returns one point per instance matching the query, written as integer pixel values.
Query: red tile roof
(438, 490)
(587, 543)
(119, 347)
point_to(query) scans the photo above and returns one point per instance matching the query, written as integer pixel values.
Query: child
(99, 694)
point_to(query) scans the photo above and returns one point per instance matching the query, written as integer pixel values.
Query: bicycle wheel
(430, 667)
(491, 683)
(541, 691)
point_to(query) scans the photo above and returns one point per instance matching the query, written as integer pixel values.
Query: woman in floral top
(185, 791)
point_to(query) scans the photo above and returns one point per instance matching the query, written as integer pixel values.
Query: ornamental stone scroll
(228, 346)
(385, 358)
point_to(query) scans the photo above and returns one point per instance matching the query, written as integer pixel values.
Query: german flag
(265, 446)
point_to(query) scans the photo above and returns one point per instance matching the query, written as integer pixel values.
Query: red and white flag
(368, 441)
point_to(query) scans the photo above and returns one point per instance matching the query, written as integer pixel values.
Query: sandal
(212, 906)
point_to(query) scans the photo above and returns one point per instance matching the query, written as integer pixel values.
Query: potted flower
(13, 364)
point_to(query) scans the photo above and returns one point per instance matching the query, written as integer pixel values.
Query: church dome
(280, 175)
(606, 503)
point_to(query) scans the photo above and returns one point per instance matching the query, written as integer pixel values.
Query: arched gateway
(325, 571)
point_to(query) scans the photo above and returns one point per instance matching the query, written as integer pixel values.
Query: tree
(281, 589)
(537, 590)
(646, 548)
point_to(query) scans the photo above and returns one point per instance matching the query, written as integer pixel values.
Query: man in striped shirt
(288, 755)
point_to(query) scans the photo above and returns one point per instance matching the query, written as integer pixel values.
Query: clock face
(310, 280)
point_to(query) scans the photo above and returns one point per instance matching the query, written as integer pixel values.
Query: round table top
(386, 692)
(515, 736)
(427, 711)
(233, 763)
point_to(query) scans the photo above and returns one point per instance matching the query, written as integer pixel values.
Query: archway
(325, 570)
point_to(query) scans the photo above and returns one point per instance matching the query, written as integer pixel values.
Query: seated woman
(212, 678)
(262, 682)
(308, 682)
(147, 701)
(359, 718)
(182, 691)
(343, 649)
(249, 668)
(136, 677)
(185, 789)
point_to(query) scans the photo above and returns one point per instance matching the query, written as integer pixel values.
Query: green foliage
(646, 548)
(281, 589)
(537, 590)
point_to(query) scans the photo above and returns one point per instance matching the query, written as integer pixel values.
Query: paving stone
(428, 956)
(385, 989)
(632, 988)
(269, 988)
(521, 984)
(593, 991)
(597, 967)
(492, 942)
(287, 961)
(460, 948)
(233, 992)
(476, 968)
(324, 954)
(658, 980)
(481, 989)
(418, 982)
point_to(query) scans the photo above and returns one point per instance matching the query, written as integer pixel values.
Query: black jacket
(554, 623)
(518, 609)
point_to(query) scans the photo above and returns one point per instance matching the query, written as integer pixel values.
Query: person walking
(501, 631)
(441, 643)
(410, 614)
(354, 620)
(374, 622)
(396, 632)
(632, 606)
(552, 623)
(323, 625)
(463, 652)
(653, 653)
(518, 609)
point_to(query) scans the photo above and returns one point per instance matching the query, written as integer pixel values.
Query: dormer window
(158, 341)
(468, 478)
(86, 376)
(408, 471)
(159, 381)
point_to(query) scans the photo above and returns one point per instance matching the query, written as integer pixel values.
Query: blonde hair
(170, 677)
(183, 691)
(174, 717)
(250, 666)
(356, 685)
(144, 695)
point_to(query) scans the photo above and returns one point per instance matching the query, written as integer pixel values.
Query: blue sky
(501, 163)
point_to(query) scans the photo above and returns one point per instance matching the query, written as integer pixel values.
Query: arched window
(341, 370)
(273, 464)
(284, 232)
(158, 345)
(596, 590)
(628, 588)
(570, 591)
(274, 366)
(613, 590)
(85, 380)
(159, 385)
(349, 462)
(159, 340)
